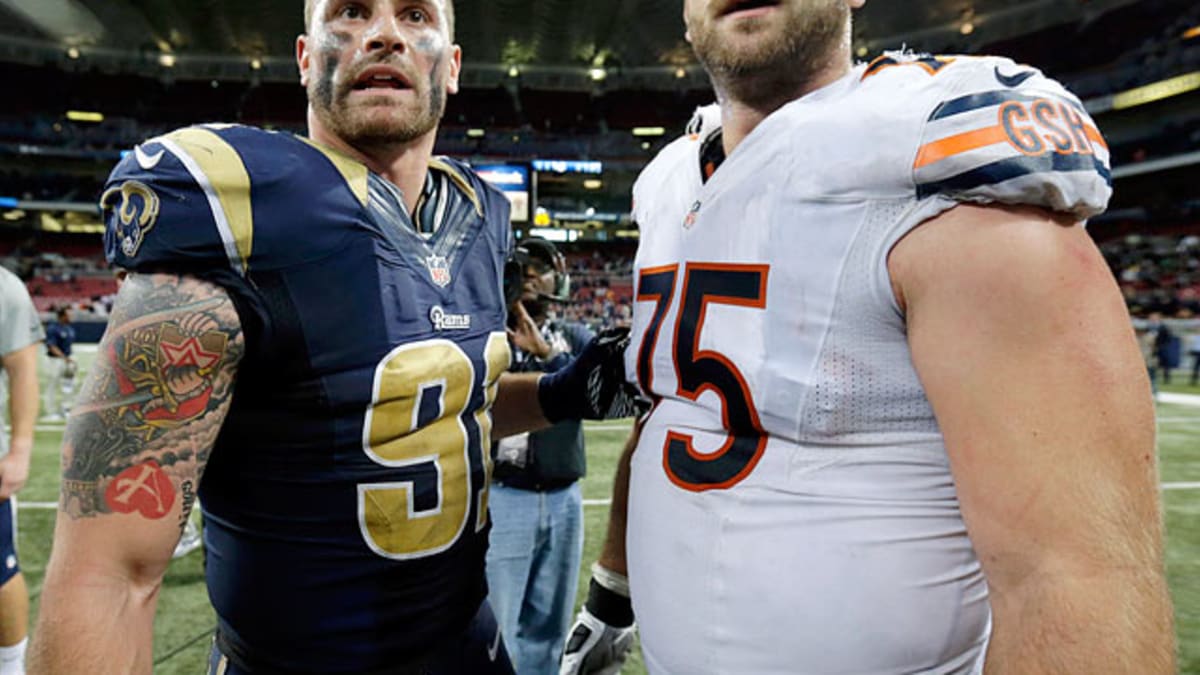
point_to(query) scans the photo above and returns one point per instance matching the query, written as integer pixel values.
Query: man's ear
(455, 69)
(302, 58)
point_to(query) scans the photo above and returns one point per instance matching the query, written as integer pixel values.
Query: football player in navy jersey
(900, 420)
(310, 341)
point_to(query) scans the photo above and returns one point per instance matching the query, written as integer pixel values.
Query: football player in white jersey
(900, 420)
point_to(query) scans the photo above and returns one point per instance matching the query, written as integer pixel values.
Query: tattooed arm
(133, 453)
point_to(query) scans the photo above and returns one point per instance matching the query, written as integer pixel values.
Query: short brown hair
(308, 13)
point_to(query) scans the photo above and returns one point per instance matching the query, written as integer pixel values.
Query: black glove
(592, 386)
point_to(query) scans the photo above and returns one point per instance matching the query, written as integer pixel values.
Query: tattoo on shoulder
(152, 405)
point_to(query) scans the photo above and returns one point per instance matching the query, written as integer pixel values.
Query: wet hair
(309, 5)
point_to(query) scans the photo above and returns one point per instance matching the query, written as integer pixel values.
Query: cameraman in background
(536, 501)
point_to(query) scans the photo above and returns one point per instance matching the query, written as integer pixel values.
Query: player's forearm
(93, 625)
(516, 408)
(612, 554)
(1084, 621)
(23, 398)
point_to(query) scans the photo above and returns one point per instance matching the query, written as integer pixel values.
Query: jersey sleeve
(20, 325)
(179, 203)
(999, 132)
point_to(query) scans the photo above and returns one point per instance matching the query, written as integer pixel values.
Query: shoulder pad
(1000, 132)
(179, 199)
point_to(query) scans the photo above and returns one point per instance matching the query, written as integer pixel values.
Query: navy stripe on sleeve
(987, 99)
(1007, 169)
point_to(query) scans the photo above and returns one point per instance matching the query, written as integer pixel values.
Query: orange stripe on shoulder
(938, 150)
(1094, 135)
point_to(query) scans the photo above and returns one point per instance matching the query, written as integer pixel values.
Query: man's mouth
(737, 6)
(381, 77)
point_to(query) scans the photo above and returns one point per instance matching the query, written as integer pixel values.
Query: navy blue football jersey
(345, 501)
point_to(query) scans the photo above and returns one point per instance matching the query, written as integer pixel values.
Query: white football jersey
(792, 508)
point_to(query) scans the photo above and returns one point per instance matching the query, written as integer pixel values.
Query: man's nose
(384, 34)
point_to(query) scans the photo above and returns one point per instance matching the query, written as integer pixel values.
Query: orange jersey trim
(1094, 135)
(938, 150)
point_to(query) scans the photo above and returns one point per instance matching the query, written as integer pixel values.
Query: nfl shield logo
(439, 269)
(690, 219)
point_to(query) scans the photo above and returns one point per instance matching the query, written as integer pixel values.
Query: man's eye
(417, 16)
(351, 12)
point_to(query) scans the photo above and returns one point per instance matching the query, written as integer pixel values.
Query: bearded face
(377, 76)
(751, 49)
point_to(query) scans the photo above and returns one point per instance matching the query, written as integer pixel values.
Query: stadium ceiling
(554, 44)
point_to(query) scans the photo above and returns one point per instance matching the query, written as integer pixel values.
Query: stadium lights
(475, 133)
(73, 53)
(85, 228)
(598, 74)
(649, 131)
(593, 184)
(1157, 91)
(84, 116)
(514, 71)
(967, 28)
(166, 60)
(680, 73)
(255, 64)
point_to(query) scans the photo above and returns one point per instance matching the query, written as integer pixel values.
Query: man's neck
(740, 117)
(405, 165)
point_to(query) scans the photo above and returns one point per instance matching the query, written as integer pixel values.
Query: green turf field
(185, 621)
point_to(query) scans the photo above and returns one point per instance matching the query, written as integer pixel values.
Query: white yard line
(609, 426)
(1181, 399)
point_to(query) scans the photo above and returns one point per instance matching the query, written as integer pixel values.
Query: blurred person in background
(1168, 346)
(900, 419)
(60, 340)
(536, 499)
(21, 334)
(1193, 339)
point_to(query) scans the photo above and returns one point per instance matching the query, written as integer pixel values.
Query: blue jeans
(533, 571)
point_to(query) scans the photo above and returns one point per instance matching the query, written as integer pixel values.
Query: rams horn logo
(136, 214)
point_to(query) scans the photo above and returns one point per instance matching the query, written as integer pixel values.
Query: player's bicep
(1026, 352)
(148, 415)
(22, 361)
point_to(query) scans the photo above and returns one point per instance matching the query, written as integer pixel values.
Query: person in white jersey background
(21, 337)
(900, 419)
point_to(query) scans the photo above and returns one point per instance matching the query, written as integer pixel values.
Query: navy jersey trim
(998, 172)
(965, 104)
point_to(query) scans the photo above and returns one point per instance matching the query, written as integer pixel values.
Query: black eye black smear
(330, 49)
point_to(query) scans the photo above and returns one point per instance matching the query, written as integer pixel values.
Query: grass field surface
(184, 625)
